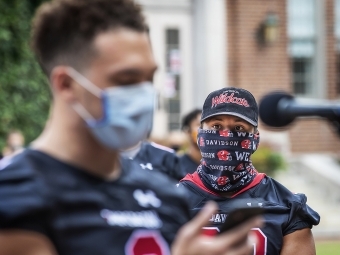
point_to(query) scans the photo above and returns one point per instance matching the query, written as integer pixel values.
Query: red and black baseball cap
(231, 101)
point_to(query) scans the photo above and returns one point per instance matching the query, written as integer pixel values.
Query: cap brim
(233, 114)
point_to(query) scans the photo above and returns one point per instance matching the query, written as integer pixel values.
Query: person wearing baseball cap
(71, 192)
(227, 138)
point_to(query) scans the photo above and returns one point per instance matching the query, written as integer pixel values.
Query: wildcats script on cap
(225, 98)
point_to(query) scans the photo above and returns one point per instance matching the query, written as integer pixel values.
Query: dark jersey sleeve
(171, 164)
(301, 215)
(163, 159)
(186, 165)
(298, 214)
(22, 206)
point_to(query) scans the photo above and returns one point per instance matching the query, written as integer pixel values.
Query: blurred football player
(190, 160)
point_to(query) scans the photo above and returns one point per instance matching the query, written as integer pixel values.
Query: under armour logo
(259, 204)
(147, 198)
(147, 165)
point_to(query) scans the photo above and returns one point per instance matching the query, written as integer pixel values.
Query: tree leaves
(24, 91)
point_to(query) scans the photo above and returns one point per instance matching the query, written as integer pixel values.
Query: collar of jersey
(197, 181)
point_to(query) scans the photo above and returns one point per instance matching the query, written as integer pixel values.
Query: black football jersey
(139, 213)
(186, 165)
(285, 212)
(155, 157)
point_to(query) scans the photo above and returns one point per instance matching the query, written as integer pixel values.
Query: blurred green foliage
(328, 247)
(24, 92)
(268, 161)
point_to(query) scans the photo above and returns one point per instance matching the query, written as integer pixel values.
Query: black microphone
(279, 109)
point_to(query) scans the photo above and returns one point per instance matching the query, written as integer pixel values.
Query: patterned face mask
(226, 165)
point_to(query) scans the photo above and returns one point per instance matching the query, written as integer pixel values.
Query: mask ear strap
(83, 112)
(84, 82)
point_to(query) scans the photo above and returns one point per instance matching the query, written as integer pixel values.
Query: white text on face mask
(219, 142)
(242, 156)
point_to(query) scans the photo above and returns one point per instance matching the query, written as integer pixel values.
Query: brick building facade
(263, 68)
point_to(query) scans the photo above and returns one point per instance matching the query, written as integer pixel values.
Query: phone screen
(240, 215)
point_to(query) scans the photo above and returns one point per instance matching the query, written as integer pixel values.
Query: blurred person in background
(175, 140)
(154, 157)
(227, 138)
(190, 160)
(15, 143)
(71, 192)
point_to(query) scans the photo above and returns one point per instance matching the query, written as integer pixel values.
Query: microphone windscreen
(270, 112)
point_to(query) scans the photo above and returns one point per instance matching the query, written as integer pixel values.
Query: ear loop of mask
(80, 109)
(89, 86)
(84, 82)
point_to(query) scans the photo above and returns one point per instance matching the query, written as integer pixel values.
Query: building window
(173, 78)
(301, 47)
(301, 70)
(337, 36)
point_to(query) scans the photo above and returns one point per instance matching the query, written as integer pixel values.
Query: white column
(162, 15)
(321, 52)
(209, 48)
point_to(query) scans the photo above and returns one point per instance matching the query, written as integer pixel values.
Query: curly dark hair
(188, 118)
(63, 30)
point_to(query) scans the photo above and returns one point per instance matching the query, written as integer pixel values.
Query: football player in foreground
(70, 192)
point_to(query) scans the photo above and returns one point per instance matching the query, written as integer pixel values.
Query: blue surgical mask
(127, 112)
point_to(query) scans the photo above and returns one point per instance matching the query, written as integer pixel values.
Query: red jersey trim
(198, 182)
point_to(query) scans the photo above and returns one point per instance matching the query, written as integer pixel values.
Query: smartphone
(240, 215)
